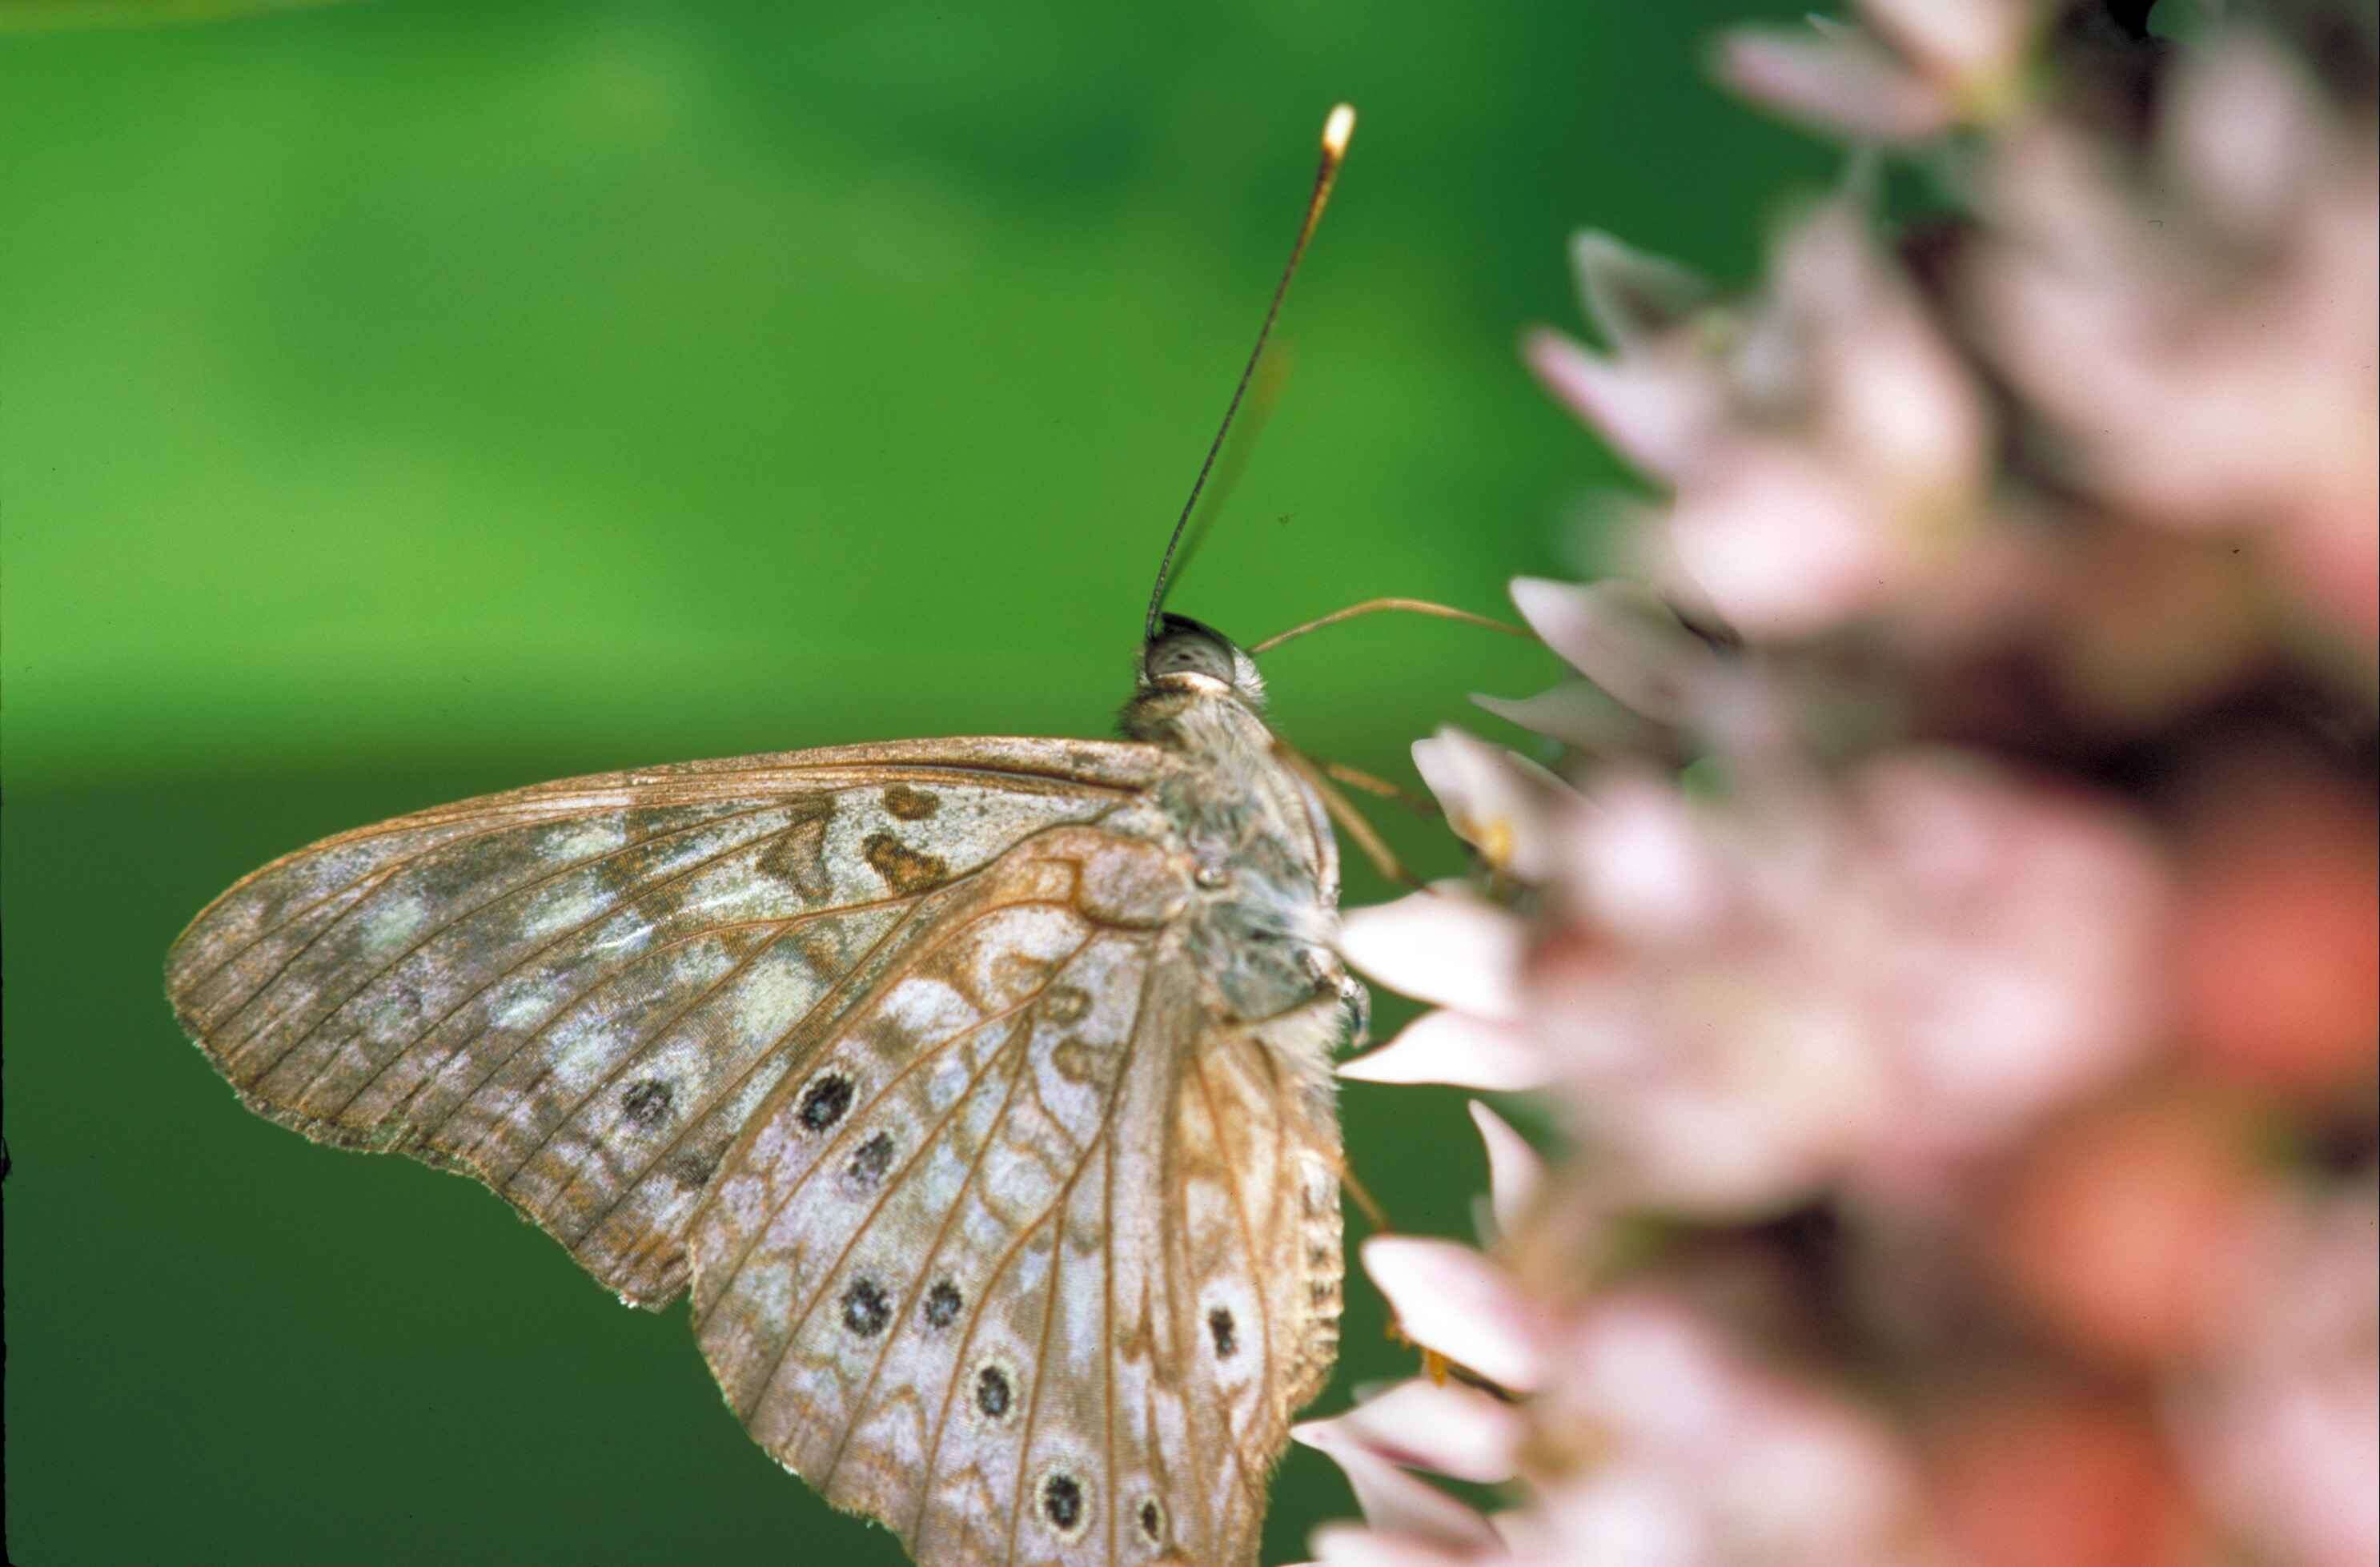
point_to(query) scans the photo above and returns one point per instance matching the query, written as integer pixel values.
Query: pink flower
(1919, 66)
(1880, 985)
(1684, 1450)
(1981, 1082)
(1495, 801)
(1826, 448)
(1449, 946)
(2201, 334)
(1635, 650)
(2280, 1429)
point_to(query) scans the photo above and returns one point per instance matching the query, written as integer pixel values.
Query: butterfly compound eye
(1185, 646)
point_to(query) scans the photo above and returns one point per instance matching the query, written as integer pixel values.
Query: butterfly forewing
(580, 992)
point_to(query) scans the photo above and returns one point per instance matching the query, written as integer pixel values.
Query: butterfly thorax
(1263, 859)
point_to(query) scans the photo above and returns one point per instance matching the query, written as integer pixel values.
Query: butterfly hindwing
(580, 992)
(1036, 1256)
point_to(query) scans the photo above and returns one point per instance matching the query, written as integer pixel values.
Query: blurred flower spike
(1934, 932)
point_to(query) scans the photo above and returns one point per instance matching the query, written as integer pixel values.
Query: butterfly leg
(1354, 1015)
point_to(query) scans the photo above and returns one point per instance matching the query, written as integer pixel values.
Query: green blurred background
(405, 400)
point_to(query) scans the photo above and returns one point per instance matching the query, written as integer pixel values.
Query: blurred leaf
(29, 16)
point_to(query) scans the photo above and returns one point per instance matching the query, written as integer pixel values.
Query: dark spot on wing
(646, 1104)
(910, 805)
(1152, 1521)
(944, 1302)
(874, 1157)
(866, 1308)
(1079, 1062)
(692, 1171)
(1219, 1327)
(1063, 1502)
(993, 1394)
(905, 869)
(825, 1101)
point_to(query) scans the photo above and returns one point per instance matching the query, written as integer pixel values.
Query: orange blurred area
(2124, 1231)
(2062, 1479)
(2279, 956)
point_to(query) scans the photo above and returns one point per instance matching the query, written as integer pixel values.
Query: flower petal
(2241, 134)
(1643, 866)
(1840, 83)
(1656, 408)
(1630, 296)
(1452, 1299)
(1580, 714)
(1620, 635)
(1441, 945)
(1514, 1169)
(1353, 1545)
(1454, 1047)
(1497, 802)
(1956, 39)
(1443, 1427)
(1397, 1504)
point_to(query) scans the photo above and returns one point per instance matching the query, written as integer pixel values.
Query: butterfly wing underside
(1039, 1258)
(580, 992)
(996, 1230)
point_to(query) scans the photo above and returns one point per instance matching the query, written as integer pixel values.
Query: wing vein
(852, 1119)
(569, 1004)
(1255, 1272)
(1008, 1255)
(950, 1215)
(859, 1230)
(436, 931)
(662, 1031)
(402, 824)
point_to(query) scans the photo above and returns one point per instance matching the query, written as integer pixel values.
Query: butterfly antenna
(1377, 606)
(1335, 132)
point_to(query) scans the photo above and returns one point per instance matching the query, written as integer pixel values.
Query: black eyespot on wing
(1063, 1502)
(1222, 1330)
(825, 1101)
(865, 1309)
(994, 1394)
(646, 1104)
(943, 1303)
(1152, 1520)
(874, 1157)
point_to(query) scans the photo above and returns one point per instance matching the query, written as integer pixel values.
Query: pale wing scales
(1257, 1229)
(580, 992)
(998, 1341)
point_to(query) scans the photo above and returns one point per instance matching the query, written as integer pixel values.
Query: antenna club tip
(1338, 129)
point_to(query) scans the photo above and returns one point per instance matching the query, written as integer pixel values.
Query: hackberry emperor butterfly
(979, 1090)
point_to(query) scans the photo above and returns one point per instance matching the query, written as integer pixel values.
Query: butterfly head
(1190, 658)
(1191, 680)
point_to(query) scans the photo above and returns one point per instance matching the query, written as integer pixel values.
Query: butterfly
(978, 1090)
